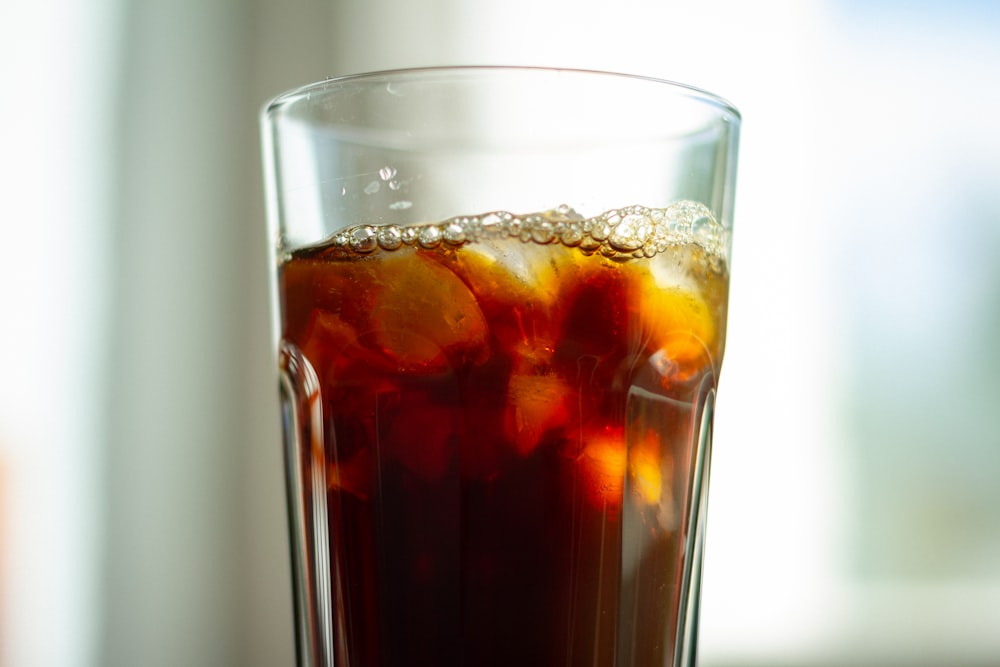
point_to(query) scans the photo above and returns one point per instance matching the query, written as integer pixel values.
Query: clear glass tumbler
(499, 312)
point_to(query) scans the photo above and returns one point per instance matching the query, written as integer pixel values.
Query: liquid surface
(633, 231)
(491, 423)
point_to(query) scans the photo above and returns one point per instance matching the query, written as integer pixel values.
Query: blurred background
(855, 513)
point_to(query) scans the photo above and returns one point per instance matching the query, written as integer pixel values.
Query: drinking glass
(499, 308)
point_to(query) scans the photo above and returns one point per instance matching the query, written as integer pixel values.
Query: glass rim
(292, 95)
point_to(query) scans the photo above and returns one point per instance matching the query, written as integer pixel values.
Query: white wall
(56, 62)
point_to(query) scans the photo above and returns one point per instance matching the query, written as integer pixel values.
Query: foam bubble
(631, 233)
(600, 230)
(542, 232)
(625, 233)
(571, 235)
(410, 234)
(363, 239)
(454, 232)
(430, 236)
(390, 238)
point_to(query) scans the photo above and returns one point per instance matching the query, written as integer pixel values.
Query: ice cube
(602, 464)
(536, 403)
(423, 316)
(596, 322)
(645, 468)
(606, 458)
(517, 286)
(420, 316)
(681, 330)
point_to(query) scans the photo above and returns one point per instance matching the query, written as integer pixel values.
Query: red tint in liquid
(503, 436)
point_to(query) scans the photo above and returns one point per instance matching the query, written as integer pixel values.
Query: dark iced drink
(492, 425)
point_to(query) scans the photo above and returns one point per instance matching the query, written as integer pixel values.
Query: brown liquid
(503, 432)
